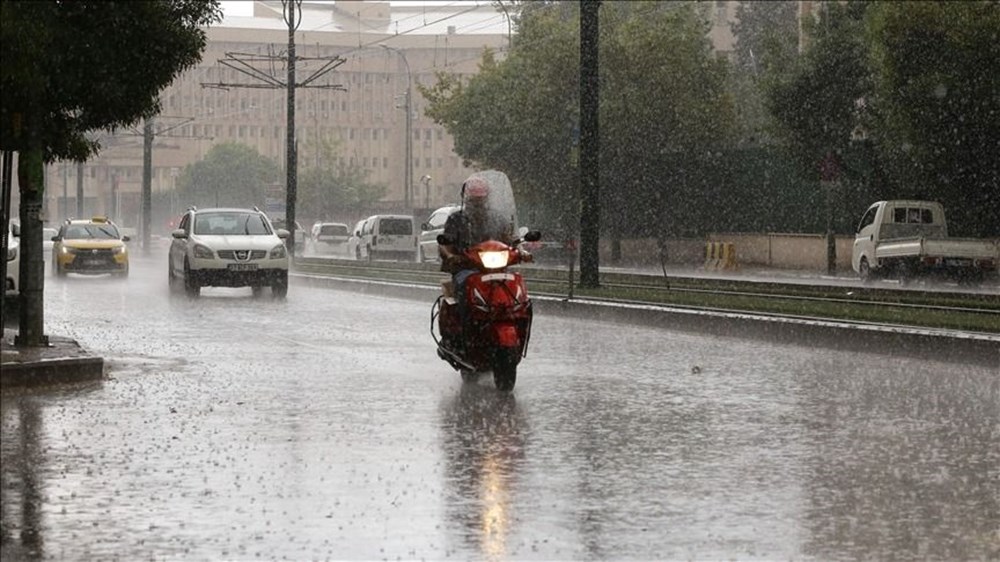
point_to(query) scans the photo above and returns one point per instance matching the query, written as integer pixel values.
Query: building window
(440, 134)
(427, 162)
(385, 162)
(427, 134)
(416, 134)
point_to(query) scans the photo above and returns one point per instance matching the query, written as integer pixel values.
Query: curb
(63, 361)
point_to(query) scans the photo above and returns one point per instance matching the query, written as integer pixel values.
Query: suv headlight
(120, 249)
(11, 254)
(203, 252)
(278, 252)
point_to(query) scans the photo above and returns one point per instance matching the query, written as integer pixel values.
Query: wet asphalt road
(325, 427)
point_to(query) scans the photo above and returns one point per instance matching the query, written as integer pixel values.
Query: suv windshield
(230, 224)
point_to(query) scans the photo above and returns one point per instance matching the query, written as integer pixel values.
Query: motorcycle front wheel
(505, 362)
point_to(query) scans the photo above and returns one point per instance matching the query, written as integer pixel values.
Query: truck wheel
(865, 271)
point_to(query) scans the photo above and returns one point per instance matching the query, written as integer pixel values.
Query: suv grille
(242, 255)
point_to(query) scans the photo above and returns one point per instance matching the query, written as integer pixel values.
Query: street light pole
(408, 165)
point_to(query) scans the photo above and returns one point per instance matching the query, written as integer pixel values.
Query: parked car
(90, 246)
(227, 247)
(430, 229)
(330, 238)
(389, 237)
(13, 260)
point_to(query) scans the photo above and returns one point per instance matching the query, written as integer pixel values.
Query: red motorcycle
(498, 315)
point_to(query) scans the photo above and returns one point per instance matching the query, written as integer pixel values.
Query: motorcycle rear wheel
(505, 362)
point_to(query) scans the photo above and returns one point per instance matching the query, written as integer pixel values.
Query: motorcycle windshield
(495, 216)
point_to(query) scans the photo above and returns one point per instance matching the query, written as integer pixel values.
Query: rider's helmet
(475, 191)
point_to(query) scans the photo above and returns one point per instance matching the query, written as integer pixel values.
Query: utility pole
(590, 212)
(291, 150)
(147, 182)
(244, 63)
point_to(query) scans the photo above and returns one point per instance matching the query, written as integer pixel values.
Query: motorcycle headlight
(203, 252)
(494, 260)
(278, 252)
(11, 254)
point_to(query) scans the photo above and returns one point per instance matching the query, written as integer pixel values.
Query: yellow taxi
(91, 246)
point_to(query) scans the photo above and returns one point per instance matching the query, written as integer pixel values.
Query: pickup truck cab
(905, 239)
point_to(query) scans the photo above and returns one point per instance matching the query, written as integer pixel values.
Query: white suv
(228, 248)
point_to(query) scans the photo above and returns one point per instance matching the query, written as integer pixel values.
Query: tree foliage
(230, 175)
(818, 101)
(74, 67)
(662, 92)
(905, 94)
(936, 105)
(328, 188)
(766, 47)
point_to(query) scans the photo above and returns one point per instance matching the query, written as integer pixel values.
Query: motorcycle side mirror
(445, 240)
(532, 236)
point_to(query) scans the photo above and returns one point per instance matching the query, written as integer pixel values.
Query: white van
(390, 237)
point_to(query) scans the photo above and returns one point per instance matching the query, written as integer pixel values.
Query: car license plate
(958, 262)
(242, 267)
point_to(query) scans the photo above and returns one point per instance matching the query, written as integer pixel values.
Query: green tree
(230, 175)
(663, 92)
(73, 67)
(936, 105)
(766, 47)
(817, 103)
(329, 188)
(667, 107)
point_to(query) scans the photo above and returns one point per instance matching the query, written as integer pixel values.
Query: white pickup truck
(904, 239)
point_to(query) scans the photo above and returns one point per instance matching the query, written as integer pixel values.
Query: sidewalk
(63, 361)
